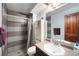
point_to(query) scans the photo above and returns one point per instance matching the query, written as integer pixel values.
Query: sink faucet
(56, 41)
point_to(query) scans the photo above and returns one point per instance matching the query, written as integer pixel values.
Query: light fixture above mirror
(54, 5)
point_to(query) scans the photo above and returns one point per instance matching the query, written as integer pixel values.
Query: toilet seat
(31, 50)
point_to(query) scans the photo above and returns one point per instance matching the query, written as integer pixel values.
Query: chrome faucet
(56, 41)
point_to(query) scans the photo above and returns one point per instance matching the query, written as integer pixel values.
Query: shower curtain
(31, 40)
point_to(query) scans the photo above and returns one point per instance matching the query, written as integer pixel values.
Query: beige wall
(0, 14)
(0, 23)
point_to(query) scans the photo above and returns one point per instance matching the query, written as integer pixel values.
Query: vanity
(40, 50)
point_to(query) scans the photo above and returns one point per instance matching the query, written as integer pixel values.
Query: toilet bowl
(31, 51)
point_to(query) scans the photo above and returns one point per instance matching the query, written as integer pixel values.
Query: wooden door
(71, 27)
(78, 26)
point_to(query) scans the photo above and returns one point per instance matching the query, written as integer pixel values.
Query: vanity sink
(53, 49)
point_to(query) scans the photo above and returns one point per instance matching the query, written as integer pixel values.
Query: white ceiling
(38, 8)
(21, 7)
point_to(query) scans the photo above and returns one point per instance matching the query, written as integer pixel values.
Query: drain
(18, 52)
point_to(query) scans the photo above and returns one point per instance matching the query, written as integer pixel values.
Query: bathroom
(39, 29)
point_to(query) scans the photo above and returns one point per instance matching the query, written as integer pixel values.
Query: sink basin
(52, 49)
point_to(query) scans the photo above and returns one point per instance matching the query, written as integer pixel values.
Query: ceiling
(21, 7)
(26, 8)
(46, 7)
(38, 8)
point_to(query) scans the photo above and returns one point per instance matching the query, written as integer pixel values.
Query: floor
(17, 53)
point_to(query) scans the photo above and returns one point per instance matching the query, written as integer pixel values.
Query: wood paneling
(78, 26)
(72, 27)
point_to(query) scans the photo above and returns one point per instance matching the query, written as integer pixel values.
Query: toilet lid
(31, 50)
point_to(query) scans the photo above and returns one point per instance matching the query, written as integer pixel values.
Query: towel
(4, 35)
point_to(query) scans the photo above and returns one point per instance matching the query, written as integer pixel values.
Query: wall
(39, 11)
(40, 31)
(40, 15)
(57, 18)
(0, 24)
(17, 33)
(4, 25)
(0, 14)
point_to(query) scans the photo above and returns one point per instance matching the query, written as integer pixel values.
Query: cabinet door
(71, 27)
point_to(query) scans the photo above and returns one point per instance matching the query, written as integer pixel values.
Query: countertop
(68, 51)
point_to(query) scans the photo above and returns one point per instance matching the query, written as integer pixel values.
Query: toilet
(31, 50)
